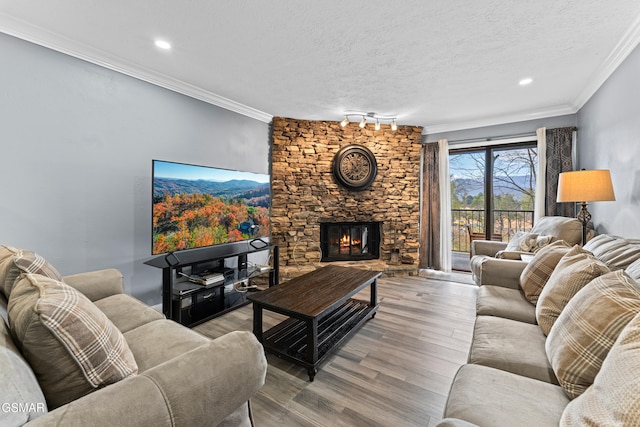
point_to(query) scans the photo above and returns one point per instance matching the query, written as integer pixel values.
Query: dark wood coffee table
(321, 313)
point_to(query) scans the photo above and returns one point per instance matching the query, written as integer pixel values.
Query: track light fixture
(369, 116)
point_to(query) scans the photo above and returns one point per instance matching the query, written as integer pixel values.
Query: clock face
(354, 167)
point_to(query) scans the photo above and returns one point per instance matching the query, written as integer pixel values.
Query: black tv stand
(191, 303)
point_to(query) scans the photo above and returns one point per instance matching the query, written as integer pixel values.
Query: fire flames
(345, 241)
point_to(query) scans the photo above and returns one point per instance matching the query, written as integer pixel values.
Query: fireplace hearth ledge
(388, 270)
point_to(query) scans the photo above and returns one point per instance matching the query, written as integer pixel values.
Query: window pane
(467, 171)
(513, 190)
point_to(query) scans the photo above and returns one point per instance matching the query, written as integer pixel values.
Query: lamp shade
(585, 186)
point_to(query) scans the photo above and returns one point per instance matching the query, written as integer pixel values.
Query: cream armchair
(486, 269)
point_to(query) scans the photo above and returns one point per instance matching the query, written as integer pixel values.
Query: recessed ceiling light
(526, 81)
(162, 44)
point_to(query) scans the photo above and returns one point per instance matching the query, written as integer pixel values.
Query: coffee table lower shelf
(289, 339)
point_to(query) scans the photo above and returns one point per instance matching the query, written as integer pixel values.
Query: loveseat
(78, 351)
(560, 345)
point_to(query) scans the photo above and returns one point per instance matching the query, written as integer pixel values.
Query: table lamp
(585, 186)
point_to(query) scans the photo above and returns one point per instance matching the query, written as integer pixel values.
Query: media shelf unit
(189, 303)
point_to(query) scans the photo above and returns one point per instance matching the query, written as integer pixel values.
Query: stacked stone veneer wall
(304, 192)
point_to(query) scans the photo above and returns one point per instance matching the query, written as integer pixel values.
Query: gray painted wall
(609, 138)
(77, 143)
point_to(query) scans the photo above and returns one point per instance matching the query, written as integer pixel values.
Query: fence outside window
(506, 223)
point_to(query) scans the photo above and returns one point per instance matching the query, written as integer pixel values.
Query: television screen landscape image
(198, 206)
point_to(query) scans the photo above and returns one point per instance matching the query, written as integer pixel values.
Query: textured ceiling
(439, 64)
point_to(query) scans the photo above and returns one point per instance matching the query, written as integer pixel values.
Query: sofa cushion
(490, 397)
(161, 340)
(511, 346)
(616, 252)
(633, 270)
(505, 302)
(71, 346)
(587, 328)
(614, 397)
(14, 262)
(18, 384)
(536, 274)
(126, 312)
(574, 270)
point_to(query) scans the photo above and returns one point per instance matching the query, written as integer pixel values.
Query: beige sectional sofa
(77, 351)
(559, 345)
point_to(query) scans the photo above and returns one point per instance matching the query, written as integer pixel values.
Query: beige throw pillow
(6, 263)
(522, 242)
(14, 262)
(614, 397)
(541, 242)
(574, 270)
(587, 328)
(72, 346)
(536, 274)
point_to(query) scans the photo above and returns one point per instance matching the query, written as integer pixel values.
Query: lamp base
(584, 216)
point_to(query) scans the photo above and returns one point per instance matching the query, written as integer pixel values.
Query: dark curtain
(559, 149)
(430, 223)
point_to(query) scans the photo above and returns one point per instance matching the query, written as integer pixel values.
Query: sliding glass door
(492, 192)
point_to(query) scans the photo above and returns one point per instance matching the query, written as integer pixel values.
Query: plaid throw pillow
(14, 262)
(614, 397)
(587, 328)
(71, 345)
(6, 263)
(577, 268)
(536, 274)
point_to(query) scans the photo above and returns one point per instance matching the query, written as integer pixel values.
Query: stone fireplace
(306, 195)
(349, 241)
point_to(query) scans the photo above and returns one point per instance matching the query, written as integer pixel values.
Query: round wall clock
(354, 167)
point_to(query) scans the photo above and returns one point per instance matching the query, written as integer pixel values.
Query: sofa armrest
(487, 247)
(96, 285)
(199, 388)
(499, 272)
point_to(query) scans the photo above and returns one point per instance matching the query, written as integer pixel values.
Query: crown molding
(625, 46)
(34, 34)
(500, 120)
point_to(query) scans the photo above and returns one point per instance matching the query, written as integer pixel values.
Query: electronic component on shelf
(227, 272)
(208, 279)
(262, 268)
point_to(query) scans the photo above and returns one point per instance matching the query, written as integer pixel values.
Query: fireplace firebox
(349, 241)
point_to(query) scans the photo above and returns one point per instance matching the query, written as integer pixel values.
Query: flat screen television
(199, 206)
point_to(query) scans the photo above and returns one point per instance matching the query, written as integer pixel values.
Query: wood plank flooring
(395, 371)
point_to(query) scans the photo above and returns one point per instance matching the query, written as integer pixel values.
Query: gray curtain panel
(559, 149)
(430, 223)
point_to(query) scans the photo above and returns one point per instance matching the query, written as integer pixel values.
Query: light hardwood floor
(395, 371)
